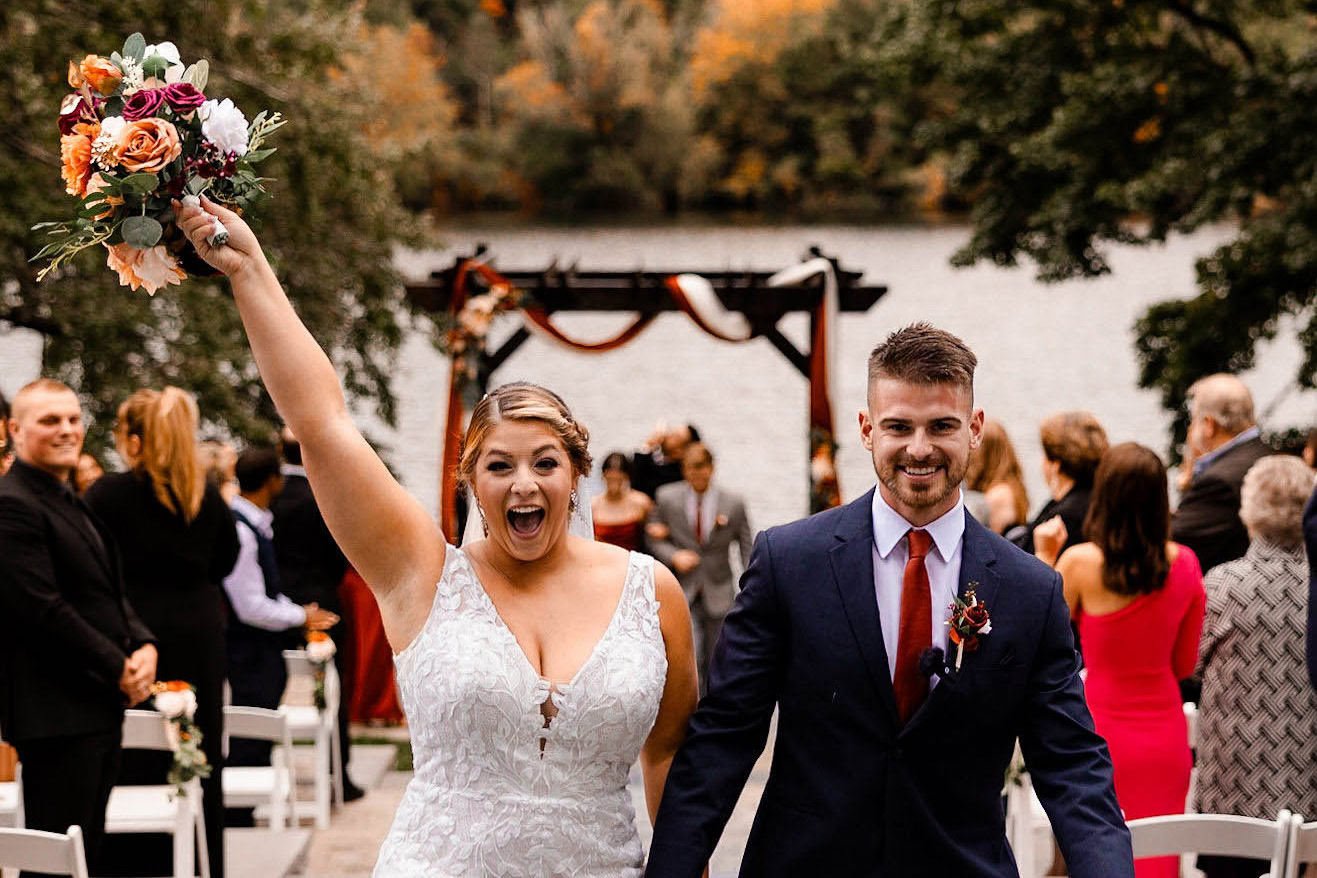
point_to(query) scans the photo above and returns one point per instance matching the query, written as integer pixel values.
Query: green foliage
(329, 228)
(1075, 124)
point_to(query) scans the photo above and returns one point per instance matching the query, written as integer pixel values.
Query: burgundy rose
(146, 102)
(73, 110)
(183, 97)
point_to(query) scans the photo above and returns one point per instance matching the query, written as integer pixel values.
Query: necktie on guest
(699, 519)
(916, 629)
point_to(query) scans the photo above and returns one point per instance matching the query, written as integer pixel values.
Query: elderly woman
(1257, 742)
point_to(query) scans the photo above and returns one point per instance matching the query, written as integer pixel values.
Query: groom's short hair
(923, 354)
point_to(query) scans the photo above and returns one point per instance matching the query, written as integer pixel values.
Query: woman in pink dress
(1138, 600)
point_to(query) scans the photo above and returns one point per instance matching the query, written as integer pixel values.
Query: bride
(534, 665)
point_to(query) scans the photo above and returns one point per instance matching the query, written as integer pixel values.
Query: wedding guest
(178, 543)
(1138, 599)
(1073, 445)
(219, 459)
(311, 568)
(72, 651)
(375, 690)
(621, 511)
(703, 522)
(1309, 452)
(89, 469)
(6, 453)
(994, 470)
(659, 462)
(1257, 752)
(1223, 441)
(261, 614)
(1310, 546)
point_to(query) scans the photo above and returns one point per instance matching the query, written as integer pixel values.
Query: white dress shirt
(891, 551)
(246, 584)
(708, 511)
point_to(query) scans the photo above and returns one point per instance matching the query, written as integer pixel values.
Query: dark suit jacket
(311, 565)
(1207, 519)
(65, 625)
(851, 792)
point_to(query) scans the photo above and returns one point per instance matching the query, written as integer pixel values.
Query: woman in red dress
(1138, 600)
(620, 512)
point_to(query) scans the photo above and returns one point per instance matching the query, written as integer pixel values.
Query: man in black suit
(311, 568)
(1224, 442)
(72, 651)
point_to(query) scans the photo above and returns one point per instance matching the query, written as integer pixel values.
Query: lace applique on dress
(515, 776)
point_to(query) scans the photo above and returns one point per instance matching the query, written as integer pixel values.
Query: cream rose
(151, 269)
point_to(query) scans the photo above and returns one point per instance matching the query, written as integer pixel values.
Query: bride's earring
(573, 503)
(484, 523)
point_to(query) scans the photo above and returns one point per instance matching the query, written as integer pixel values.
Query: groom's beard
(938, 489)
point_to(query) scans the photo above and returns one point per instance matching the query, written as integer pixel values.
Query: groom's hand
(242, 250)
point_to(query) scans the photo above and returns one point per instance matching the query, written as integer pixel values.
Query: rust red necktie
(916, 630)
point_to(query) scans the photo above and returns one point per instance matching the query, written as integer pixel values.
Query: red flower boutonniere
(969, 621)
(720, 521)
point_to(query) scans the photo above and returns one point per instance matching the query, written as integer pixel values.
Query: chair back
(54, 853)
(146, 730)
(1191, 721)
(1217, 834)
(299, 665)
(1303, 846)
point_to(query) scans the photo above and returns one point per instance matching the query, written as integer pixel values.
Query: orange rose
(75, 157)
(147, 145)
(152, 268)
(75, 75)
(101, 74)
(96, 184)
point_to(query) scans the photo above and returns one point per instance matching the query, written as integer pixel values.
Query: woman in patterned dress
(1257, 726)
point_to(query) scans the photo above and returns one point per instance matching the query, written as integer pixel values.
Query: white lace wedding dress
(500, 790)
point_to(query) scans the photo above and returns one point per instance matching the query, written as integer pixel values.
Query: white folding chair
(307, 723)
(55, 853)
(1303, 846)
(159, 808)
(1219, 834)
(273, 786)
(1028, 830)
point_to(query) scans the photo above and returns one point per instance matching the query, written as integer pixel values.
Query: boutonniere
(969, 621)
(721, 521)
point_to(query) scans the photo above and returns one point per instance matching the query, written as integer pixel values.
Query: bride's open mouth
(525, 521)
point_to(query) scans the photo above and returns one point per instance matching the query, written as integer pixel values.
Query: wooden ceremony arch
(540, 293)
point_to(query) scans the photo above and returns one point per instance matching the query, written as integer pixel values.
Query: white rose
(321, 650)
(224, 125)
(176, 704)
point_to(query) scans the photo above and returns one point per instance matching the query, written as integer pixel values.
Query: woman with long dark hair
(620, 512)
(178, 541)
(1138, 599)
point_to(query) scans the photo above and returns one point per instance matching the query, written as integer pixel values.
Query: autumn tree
(330, 227)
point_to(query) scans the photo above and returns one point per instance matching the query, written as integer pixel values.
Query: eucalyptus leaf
(198, 74)
(113, 106)
(257, 155)
(117, 59)
(142, 232)
(140, 183)
(134, 47)
(197, 185)
(156, 65)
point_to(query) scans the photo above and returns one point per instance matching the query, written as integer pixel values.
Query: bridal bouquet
(137, 132)
(177, 700)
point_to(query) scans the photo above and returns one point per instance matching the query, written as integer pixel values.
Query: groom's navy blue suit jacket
(851, 791)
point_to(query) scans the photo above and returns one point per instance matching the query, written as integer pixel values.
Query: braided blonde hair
(523, 401)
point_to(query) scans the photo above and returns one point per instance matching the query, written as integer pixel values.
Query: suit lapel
(852, 569)
(45, 487)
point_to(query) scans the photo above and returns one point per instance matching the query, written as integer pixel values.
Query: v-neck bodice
(496, 789)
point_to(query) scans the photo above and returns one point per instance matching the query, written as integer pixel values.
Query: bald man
(72, 651)
(1224, 441)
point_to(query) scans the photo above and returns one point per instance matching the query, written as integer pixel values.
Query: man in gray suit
(701, 522)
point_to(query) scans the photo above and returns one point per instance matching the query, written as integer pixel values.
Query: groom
(889, 760)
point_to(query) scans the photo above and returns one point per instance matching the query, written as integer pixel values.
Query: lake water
(1041, 348)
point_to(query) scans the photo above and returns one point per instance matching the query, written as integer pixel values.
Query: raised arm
(385, 533)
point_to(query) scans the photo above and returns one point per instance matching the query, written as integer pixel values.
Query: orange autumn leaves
(146, 145)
